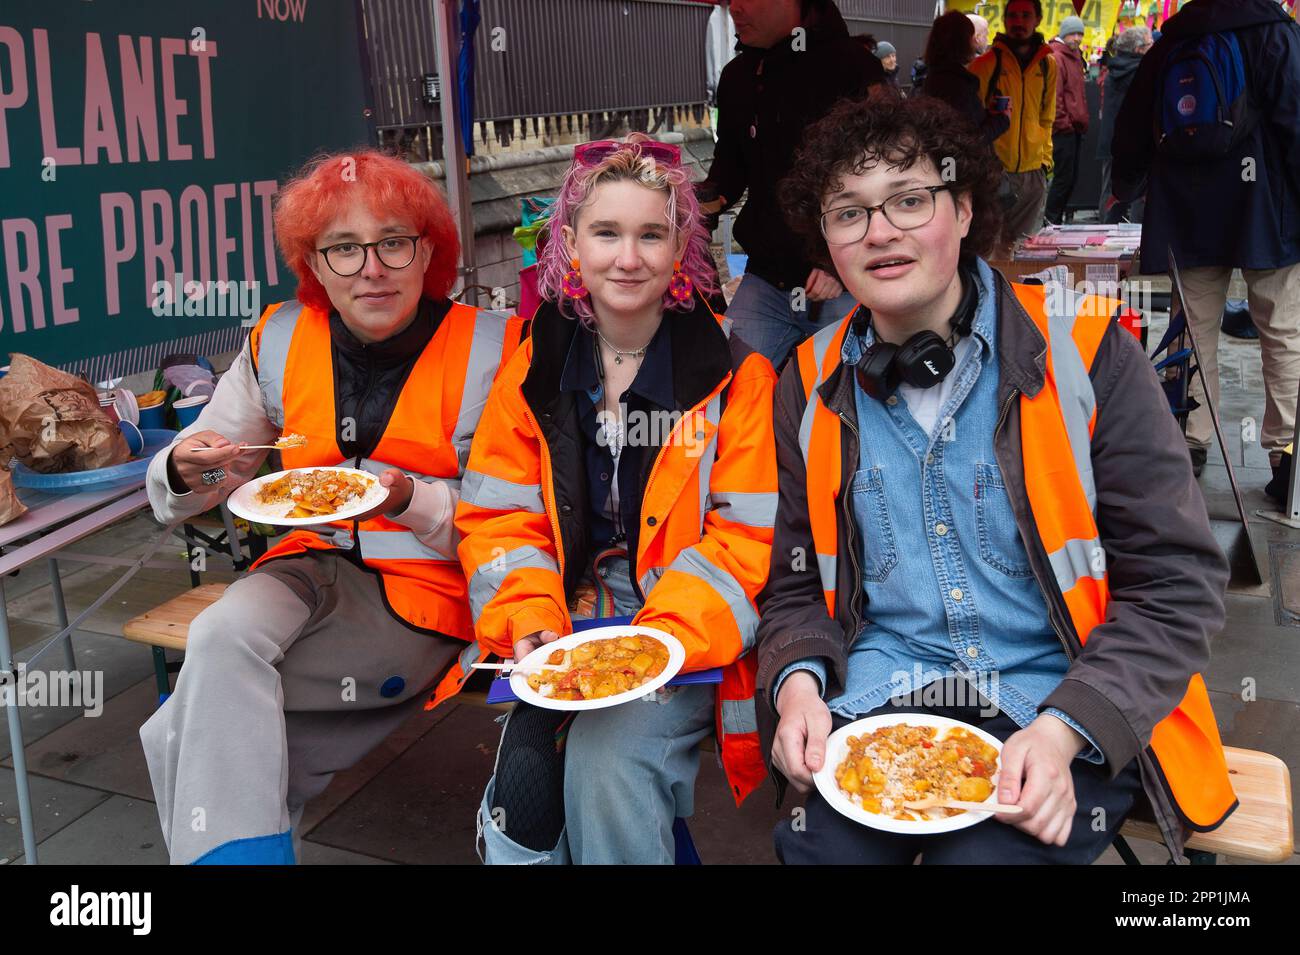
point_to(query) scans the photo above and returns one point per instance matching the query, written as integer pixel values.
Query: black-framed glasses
(348, 258)
(909, 209)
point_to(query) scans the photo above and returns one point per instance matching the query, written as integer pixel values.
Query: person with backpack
(1211, 123)
(1019, 67)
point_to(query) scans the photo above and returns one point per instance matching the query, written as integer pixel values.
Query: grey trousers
(294, 674)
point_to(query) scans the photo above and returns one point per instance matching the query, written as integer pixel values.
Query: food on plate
(315, 492)
(290, 440)
(600, 668)
(900, 763)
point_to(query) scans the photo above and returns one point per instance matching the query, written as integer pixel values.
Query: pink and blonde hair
(389, 187)
(628, 163)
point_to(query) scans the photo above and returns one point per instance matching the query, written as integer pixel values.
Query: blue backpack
(1203, 108)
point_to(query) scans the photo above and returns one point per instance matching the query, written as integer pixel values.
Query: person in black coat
(779, 83)
(950, 47)
(1120, 67)
(1240, 210)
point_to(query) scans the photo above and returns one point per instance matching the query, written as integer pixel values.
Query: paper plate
(676, 657)
(243, 501)
(837, 748)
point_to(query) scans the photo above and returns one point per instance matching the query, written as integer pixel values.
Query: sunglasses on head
(590, 154)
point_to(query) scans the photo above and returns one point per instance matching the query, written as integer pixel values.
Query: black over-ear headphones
(923, 360)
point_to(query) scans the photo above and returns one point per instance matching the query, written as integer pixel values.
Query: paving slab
(118, 831)
(55, 804)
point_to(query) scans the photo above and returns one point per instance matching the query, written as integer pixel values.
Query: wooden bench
(167, 627)
(1261, 829)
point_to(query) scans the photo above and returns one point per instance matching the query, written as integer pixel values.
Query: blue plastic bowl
(99, 479)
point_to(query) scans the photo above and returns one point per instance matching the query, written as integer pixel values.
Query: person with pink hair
(625, 466)
(342, 629)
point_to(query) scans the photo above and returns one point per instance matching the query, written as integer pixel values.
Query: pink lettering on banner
(221, 194)
(16, 95)
(205, 96)
(173, 106)
(157, 247)
(62, 155)
(111, 204)
(59, 276)
(265, 189)
(194, 206)
(100, 130)
(246, 216)
(282, 9)
(139, 106)
(25, 275)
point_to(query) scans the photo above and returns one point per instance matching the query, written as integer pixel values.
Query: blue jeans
(629, 771)
(763, 317)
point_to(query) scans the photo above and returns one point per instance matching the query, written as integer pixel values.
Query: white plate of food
(301, 497)
(875, 764)
(604, 666)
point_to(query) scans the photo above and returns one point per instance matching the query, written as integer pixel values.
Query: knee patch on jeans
(529, 789)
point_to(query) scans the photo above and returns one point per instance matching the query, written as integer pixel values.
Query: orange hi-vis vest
(703, 551)
(427, 437)
(1056, 427)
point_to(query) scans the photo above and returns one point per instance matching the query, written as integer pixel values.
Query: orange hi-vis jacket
(702, 547)
(427, 436)
(1187, 767)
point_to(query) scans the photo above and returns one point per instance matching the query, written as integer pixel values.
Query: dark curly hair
(859, 133)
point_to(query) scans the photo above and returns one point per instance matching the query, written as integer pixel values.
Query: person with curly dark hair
(984, 513)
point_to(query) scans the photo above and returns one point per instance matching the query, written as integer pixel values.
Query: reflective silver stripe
(712, 414)
(826, 567)
(756, 509)
(738, 716)
(488, 578)
(468, 657)
(1078, 559)
(273, 357)
(398, 545)
(498, 494)
(484, 359)
(385, 545)
(379, 467)
(650, 578)
(1073, 391)
(820, 342)
(690, 561)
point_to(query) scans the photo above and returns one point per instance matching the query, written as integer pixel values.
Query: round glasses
(905, 210)
(348, 258)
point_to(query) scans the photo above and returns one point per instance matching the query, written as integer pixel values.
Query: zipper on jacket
(1051, 606)
(365, 396)
(550, 512)
(855, 600)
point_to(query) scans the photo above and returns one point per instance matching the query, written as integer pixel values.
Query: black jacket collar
(701, 356)
(401, 347)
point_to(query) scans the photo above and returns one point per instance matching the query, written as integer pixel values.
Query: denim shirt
(965, 604)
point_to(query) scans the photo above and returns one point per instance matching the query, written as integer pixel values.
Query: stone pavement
(413, 799)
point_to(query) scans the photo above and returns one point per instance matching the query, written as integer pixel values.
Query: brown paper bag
(52, 422)
(10, 507)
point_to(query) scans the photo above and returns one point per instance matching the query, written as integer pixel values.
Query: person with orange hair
(341, 630)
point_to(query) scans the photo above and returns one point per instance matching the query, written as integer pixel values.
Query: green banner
(141, 144)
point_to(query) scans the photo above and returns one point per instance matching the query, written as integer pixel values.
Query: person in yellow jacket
(1020, 67)
(341, 630)
(1002, 526)
(624, 466)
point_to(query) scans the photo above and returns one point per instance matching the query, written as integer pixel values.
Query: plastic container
(152, 417)
(187, 409)
(119, 475)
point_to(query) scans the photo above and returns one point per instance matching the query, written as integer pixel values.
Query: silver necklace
(618, 355)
